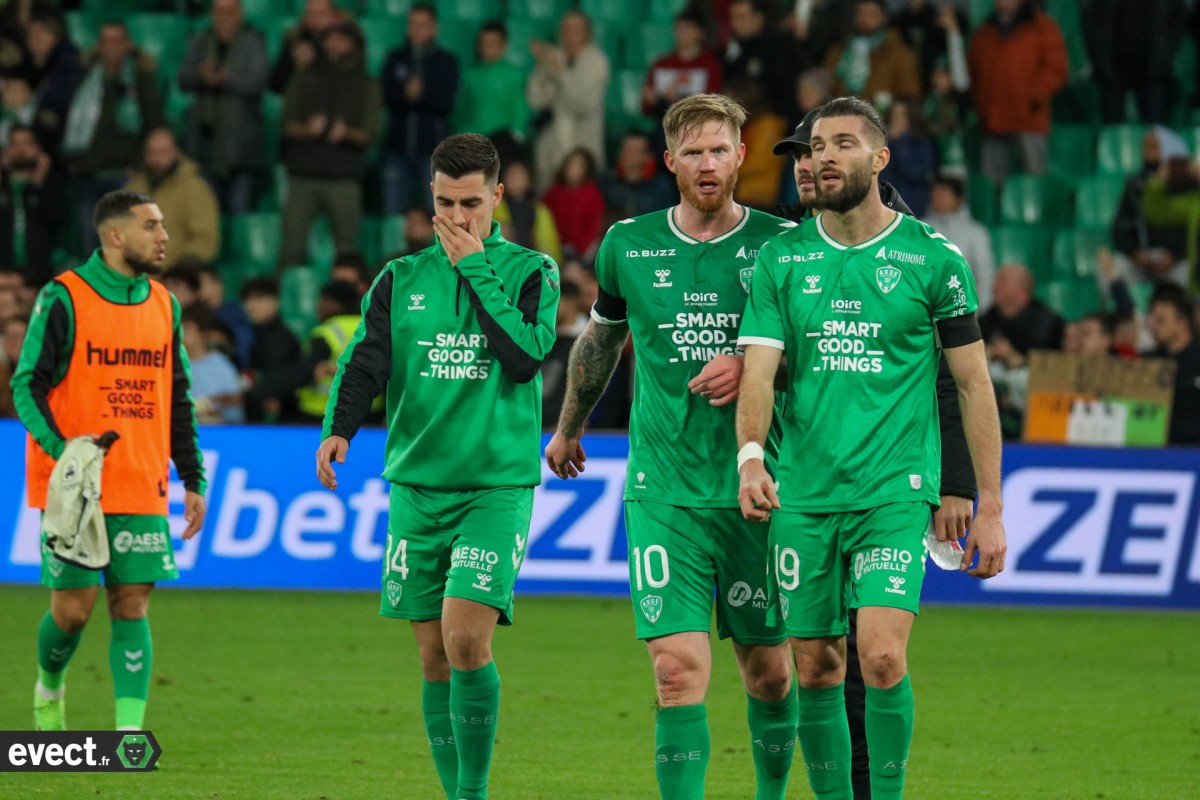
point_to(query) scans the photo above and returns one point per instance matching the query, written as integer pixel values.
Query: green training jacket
(459, 350)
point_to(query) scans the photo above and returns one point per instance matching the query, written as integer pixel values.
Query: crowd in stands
(288, 143)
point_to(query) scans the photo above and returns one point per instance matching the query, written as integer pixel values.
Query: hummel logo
(896, 582)
(664, 278)
(417, 302)
(812, 281)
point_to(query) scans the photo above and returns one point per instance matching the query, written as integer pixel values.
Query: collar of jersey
(873, 240)
(689, 240)
(494, 239)
(112, 285)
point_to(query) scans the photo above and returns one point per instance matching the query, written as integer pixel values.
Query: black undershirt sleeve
(610, 308)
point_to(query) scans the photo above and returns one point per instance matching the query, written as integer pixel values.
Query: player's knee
(71, 618)
(820, 669)
(466, 649)
(771, 682)
(883, 665)
(679, 680)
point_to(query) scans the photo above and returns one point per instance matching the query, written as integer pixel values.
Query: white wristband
(750, 450)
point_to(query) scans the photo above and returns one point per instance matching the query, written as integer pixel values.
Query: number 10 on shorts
(651, 566)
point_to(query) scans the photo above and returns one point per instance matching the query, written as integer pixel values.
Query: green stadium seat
(261, 12)
(478, 11)
(458, 35)
(177, 104)
(624, 101)
(667, 10)
(1075, 252)
(522, 31)
(1022, 244)
(609, 37)
(978, 11)
(164, 36)
(648, 43)
(321, 249)
(274, 31)
(1072, 151)
(1119, 148)
(299, 288)
(1066, 14)
(622, 12)
(388, 8)
(981, 198)
(253, 243)
(391, 237)
(544, 10)
(1035, 199)
(83, 28)
(1071, 298)
(384, 34)
(1097, 199)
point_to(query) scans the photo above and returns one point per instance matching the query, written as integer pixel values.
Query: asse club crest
(887, 278)
(652, 607)
(394, 591)
(744, 275)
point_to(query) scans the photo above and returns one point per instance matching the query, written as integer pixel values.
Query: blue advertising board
(1085, 526)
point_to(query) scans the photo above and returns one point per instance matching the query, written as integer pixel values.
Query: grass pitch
(311, 696)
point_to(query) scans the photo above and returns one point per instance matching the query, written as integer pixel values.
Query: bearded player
(860, 299)
(678, 280)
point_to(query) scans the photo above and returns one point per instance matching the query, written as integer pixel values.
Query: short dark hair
(1173, 295)
(260, 287)
(494, 26)
(199, 315)
(854, 107)
(53, 23)
(465, 154)
(428, 8)
(186, 273)
(117, 204)
(342, 293)
(952, 182)
(691, 14)
(350, 258)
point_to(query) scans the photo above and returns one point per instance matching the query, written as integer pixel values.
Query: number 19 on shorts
(653, 564)
(787, 568)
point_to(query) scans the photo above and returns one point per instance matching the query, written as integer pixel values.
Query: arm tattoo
(589, 369)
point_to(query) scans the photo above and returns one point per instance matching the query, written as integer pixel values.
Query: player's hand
(457, 243)
(987, 537)
(194, 509)
(332, 449)
(565, 456)
(718, 382)
(757, 495)
(952, 520)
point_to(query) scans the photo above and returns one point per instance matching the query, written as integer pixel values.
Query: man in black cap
(958, 473)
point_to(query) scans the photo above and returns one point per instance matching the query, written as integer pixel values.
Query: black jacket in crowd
(416, 128)
(958, 471)
(45, 213)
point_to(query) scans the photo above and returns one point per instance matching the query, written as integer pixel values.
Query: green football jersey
(684, 303)
(858, 326)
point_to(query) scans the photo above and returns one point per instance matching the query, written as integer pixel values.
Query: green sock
(681, 751)
(130, 655)
(773, 741)
(824, 737)
(55, 648)
(435, 706)
(474, 710)
(889, 734)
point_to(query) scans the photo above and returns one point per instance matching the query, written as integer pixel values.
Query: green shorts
(678, 555)
(465, 544)
(140, 550)
(823, 564)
